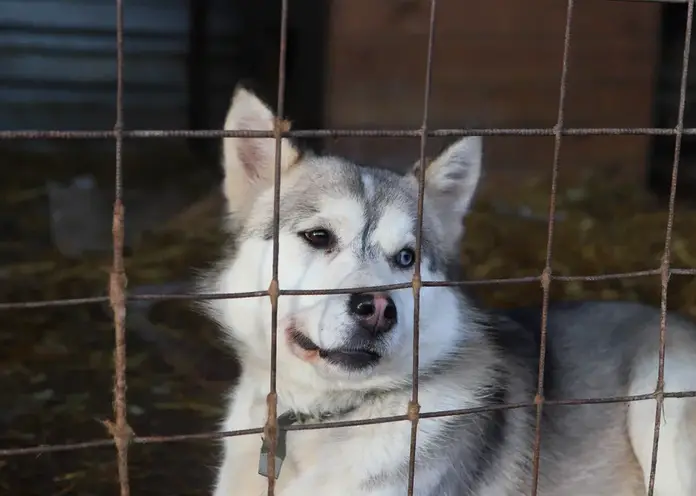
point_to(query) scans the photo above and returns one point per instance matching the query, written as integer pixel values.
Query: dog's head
(341, 226)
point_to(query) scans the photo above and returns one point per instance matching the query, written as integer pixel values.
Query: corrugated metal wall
(58, 65)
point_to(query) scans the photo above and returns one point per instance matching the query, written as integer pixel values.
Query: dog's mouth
(351, 358)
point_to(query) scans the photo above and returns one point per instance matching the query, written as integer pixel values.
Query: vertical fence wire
(271, 428)
(413, 405)
(667, 252)
(117, 281)
(546, 274)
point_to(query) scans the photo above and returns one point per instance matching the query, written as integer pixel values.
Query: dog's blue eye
(405, 258)
(318, 238)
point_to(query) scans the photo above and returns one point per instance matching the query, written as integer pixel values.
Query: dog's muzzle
(354, 358)
(374, 312)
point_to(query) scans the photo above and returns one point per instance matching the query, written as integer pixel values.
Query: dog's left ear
(451, 180)
(249, 163)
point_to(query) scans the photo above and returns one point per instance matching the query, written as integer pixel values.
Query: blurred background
(350, 64)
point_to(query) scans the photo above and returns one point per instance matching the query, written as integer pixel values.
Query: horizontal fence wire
(122, 436)
(653, 1)
(348, 133)
(335, 291)
(204, 436)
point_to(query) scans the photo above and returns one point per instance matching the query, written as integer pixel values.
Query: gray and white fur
(347, 357)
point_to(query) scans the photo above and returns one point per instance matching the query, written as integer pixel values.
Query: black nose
(376, 312)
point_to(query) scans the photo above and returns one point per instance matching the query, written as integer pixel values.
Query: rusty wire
(271, 428)
(348, 133)
(666, 255)
(121, 434)
(154, 439)
(334, 291)
(546, 273)
(414, 406)
(120, 430)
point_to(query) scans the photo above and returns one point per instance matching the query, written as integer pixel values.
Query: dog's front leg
(238, 474)
(319, 482)
(327, 484)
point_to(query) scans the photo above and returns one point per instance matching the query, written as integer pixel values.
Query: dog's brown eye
(319, 238)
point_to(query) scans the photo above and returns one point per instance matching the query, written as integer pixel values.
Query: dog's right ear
(451, 181)
(249, 163)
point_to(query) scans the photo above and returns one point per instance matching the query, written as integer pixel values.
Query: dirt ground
(56, 363)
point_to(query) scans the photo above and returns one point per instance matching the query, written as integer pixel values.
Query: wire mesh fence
(121, 434)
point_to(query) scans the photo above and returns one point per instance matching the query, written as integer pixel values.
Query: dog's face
(341, 226)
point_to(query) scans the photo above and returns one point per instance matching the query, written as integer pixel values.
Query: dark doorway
(668, 80)
(248, 51)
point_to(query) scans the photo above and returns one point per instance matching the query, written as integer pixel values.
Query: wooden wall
(496, 64)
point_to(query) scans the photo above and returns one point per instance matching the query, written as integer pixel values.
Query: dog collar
(284, 421)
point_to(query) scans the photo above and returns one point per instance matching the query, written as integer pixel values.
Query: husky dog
(344, 357)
